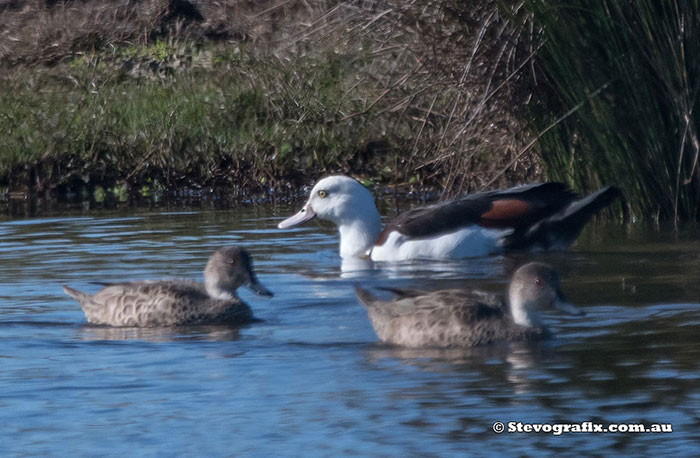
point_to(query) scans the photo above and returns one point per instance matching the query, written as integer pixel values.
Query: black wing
(514, 208)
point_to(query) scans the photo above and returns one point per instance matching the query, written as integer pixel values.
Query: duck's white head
(535, 287)
(350, 206)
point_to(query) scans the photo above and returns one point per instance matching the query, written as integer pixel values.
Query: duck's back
(158, 303)
(447, 318)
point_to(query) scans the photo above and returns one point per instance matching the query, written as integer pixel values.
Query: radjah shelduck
(535, 216)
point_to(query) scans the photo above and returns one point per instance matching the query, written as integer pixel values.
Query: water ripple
(311, 376)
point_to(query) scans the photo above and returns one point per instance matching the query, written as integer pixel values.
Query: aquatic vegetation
(628, 74)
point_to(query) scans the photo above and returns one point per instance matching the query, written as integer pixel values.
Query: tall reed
(632, 71)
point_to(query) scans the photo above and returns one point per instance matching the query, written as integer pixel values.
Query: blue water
(311, 378)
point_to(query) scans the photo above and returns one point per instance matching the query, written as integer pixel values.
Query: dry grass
(400, 92)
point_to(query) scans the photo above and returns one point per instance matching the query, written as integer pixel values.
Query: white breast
(465, 243)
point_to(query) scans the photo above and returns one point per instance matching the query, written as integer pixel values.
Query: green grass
(109, 95)
(236, 119)
(633, 68)
(114, 96)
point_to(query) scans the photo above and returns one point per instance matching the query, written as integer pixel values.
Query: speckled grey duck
(177, 302)
(466, 318)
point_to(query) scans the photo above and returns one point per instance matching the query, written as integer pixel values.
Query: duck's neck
(358, 234)
(216, 291)
(522, 314)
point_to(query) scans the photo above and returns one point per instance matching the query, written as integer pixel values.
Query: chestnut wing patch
(515, 208)
(505, 213)
(563, 227)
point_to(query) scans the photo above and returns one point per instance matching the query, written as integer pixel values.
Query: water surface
(311, 379)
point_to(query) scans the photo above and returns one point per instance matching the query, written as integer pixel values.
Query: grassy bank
(166, 95)
(226, 119)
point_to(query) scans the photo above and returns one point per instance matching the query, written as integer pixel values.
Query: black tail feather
(563, 227)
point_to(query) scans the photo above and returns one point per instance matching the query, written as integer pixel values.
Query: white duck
(546, 215)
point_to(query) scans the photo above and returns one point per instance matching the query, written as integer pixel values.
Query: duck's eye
(322, 193)
(538, 281)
